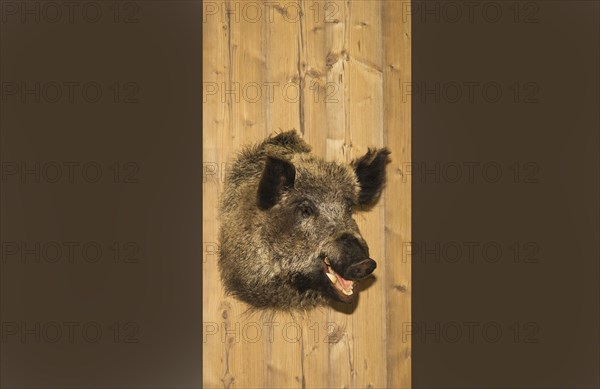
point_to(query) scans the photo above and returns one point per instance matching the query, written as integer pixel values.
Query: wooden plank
(313, 54)
(397, 122)
(339, 322)
(215, 359)
(241, 119)
(365, 122)
(246, 67)
(284, 70)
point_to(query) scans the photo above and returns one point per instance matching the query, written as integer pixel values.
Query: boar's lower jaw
(343, 288)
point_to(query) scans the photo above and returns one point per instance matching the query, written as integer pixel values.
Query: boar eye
(306, 210)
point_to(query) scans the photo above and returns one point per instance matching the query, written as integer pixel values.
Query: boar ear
(277, 176)
(370, 171)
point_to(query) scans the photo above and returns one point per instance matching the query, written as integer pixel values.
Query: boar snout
(355, 254)
(348, 266)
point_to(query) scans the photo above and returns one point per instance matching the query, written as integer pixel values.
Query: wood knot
(225, 307)
(336, 334)
(227, 380)
(331, 59)
(400, 288)
(314, 73)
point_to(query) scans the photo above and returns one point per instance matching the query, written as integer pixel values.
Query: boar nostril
(362, 268)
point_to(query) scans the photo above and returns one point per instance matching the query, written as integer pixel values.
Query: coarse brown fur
(284, 211)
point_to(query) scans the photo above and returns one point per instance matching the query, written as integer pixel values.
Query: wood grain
(332, 71)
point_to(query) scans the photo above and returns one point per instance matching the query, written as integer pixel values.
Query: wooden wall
(334, 72)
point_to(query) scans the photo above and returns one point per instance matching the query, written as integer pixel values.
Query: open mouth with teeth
(343, 288)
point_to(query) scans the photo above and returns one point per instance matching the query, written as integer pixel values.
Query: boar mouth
(343, 288)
